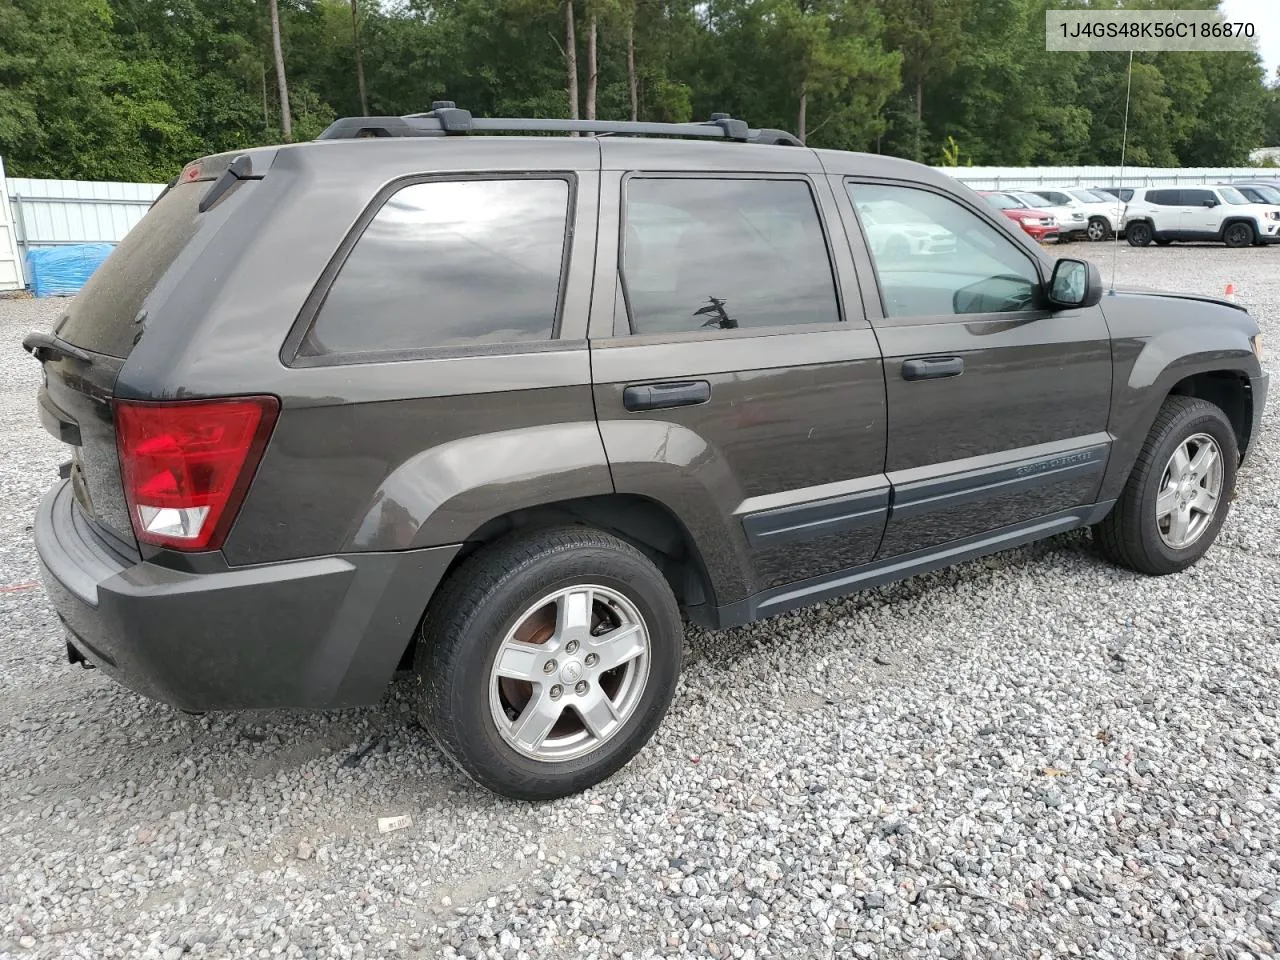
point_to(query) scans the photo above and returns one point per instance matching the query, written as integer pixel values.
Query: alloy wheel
(570, 673)
(1190, 490)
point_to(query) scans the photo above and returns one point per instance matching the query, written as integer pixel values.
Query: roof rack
(446, 119)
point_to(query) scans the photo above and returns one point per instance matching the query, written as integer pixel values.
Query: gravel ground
(1027, 756)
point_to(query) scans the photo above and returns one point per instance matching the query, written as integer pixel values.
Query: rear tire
(1138, 234)
(1238, 235)
(1141, 532)
(514, 661)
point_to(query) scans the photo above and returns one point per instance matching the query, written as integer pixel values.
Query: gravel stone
(945, 767)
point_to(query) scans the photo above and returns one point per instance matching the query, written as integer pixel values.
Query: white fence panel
(56, 212)
(11, 277)
(1025, 178)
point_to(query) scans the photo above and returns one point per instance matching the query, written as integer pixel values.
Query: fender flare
(447, 492)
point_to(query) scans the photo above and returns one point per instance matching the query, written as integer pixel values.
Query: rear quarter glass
(103, 316)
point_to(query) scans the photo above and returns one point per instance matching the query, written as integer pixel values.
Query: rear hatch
(87, 349)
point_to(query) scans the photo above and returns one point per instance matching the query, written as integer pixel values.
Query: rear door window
(703, 253)
(448, 264)
(102, 317)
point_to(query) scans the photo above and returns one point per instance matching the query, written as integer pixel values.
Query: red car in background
(1040, 224)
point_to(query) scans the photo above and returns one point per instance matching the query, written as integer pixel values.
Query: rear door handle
(932, 368)
(659, 396)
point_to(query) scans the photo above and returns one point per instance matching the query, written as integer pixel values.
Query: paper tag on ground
(387, 824)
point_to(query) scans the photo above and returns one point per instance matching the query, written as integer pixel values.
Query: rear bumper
(322, 632)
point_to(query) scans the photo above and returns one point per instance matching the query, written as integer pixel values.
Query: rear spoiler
(225, 170)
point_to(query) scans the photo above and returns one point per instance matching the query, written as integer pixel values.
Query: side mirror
(1075, 283)
(1211, 202)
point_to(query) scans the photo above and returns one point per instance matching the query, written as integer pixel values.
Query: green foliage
(133, 89)
(950, 152)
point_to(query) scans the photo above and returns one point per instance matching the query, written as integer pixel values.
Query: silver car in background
(1102, 212)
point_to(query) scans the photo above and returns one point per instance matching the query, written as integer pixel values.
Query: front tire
(1138, 234)
(1098, 229)
(1177, 496)
(547, 660)
(1238, 235)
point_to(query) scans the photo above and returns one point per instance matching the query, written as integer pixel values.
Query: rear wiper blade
(45, 346)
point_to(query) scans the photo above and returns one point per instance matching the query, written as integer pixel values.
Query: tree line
(132, 89)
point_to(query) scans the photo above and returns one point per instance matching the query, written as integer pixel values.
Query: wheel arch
(1144, 220)
(1230, 391)
(1230, 221)
(1226, 387)
(651, 527)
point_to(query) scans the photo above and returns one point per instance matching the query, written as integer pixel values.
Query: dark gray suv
(500, 409)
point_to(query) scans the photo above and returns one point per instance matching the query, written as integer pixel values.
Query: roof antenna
(1124, 143)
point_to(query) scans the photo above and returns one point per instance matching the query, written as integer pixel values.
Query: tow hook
(75, 656)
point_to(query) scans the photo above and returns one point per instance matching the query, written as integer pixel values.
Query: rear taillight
(186, 465)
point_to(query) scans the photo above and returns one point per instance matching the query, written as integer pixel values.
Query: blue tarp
(62, 271)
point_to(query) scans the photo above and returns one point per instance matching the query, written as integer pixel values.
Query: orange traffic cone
(1231, 291)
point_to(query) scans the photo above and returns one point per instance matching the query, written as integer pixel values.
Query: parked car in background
(1262, 193)
(1120, 193)
(1072, 223)
(1261, 181)
(1040, 224)
(1223, 213)
(895, 231)
(1102, 212)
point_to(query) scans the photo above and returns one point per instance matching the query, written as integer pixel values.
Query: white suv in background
(1101, 211)
(1072, 222)
(1222, 213)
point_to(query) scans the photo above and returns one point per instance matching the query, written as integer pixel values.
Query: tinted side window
(935, 258)
(1196, 198)
(1163, 198)
(449, 263)
(702, 253)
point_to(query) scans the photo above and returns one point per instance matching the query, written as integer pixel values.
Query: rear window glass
(449, 264)
(101, 318)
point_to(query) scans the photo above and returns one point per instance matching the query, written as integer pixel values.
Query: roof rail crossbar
(733, 129)
(446, 119)
(452, 120)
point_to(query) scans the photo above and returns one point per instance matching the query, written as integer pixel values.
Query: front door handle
(659, 396)
(932, 368)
